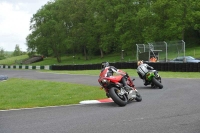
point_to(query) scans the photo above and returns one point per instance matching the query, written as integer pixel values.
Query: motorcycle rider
(112, 70)
(142, 70)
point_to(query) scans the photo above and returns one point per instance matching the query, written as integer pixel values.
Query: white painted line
(89, 102)
(80, 103)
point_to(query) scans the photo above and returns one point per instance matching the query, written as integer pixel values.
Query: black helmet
(104, 64)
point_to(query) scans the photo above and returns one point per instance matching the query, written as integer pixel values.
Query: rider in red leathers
(112, 70)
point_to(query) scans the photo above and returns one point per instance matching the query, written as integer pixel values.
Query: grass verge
(25, 93)
(132, 73)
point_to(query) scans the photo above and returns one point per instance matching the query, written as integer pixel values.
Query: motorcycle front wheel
(120, 100)
(138, 97)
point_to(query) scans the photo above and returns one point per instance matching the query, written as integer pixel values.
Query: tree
(17, 51)
(98, 27)
(2, 54)
(48, 31)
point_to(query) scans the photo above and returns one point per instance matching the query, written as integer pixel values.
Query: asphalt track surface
(173, 109)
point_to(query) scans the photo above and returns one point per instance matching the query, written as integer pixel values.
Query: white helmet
(140, 62)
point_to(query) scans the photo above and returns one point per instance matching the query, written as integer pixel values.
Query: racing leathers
(111, 70)
(142, 70)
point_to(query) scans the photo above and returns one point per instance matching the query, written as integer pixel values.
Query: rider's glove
(126, 74)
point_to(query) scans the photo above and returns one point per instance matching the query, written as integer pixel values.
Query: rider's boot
(145, 82)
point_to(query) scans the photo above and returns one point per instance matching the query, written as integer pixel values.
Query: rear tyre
(120, 100)
(157, 83)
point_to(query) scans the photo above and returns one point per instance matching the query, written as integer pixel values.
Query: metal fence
(162, 51)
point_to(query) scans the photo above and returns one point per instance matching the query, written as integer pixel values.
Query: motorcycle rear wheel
(120, 100)
(157, 83)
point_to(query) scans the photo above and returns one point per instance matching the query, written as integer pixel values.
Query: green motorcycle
(154, 79)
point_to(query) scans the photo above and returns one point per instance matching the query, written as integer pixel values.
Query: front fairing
(149, 76)
(153, 73)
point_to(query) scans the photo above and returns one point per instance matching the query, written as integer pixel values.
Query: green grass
(132, 73)
(25, 93)
(68, 60)
(194, 51)
(13, 60)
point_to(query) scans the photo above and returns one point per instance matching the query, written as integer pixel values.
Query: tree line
(17, 52)
(99, 27)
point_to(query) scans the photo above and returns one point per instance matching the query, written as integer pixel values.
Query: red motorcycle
(116, 90)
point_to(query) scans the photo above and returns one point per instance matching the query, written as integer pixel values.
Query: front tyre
(157, 83)
(120, 100)
(138, 97)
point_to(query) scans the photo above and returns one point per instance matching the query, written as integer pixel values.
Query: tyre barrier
(47, 67)
(160, 66)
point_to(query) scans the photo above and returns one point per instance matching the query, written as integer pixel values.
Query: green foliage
(2, 57)
(17, 51)
(13, 60)
(99, 27)
(79, 58)
(2, 54)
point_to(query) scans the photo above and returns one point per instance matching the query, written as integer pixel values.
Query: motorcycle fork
(135, 89)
